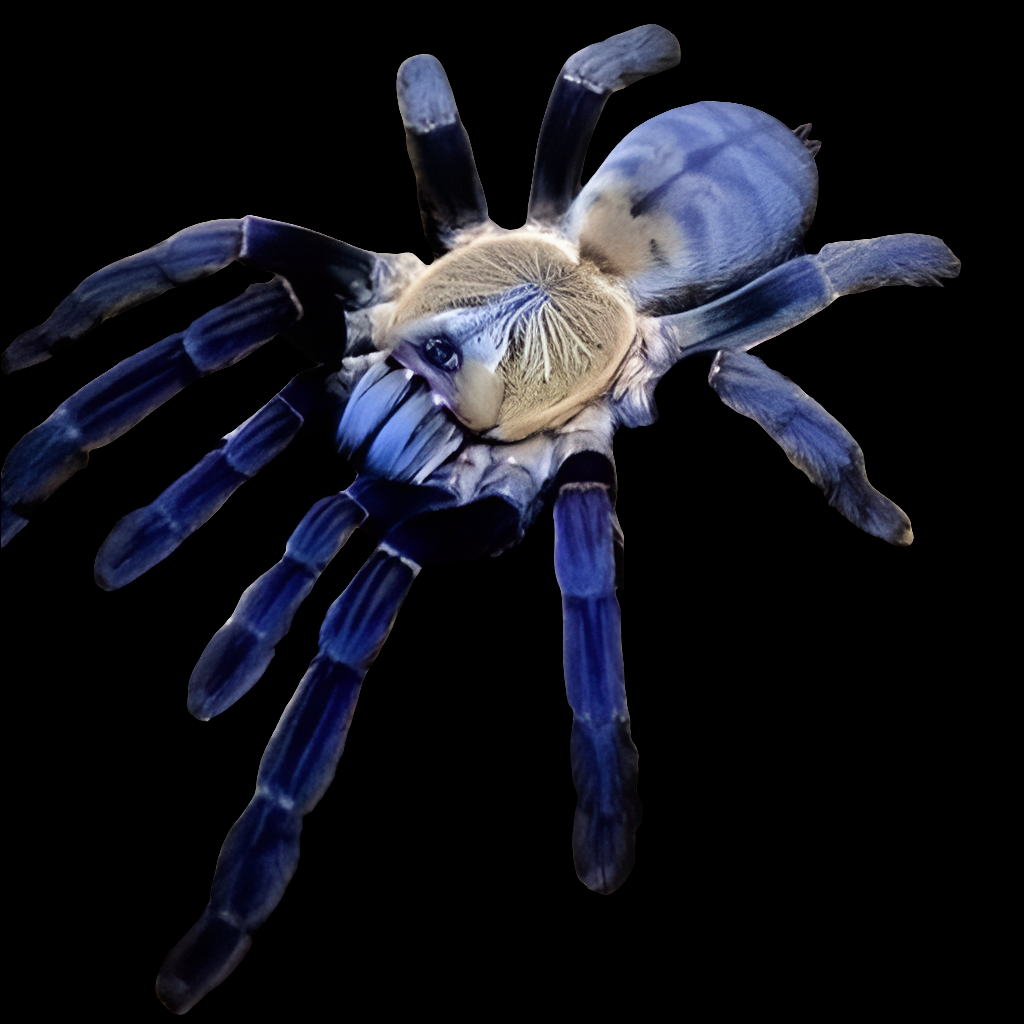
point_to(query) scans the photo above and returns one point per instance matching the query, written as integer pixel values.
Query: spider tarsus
(23, 352)
(208, 953)
(608, 813)
(11, 524)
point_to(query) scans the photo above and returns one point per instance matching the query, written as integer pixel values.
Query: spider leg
(329, 277)
(240, 651)
(118, 399)
(763, 309)
(868, 263)
(261, 852)
(586, 81)
(604, 760)
(448, 188)
(196, 252)
(813, 440)
(145, 537)
(799, 288)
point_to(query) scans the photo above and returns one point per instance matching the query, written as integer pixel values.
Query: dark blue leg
(243, 647)
(103, 410)
(799, 288)
(261, 851)
(148, 535)
(195, 252)
(769, 306)
(329, 278)
(814, 441)
(448, 187)
(588, 78)
(327, 275)
(604, 760)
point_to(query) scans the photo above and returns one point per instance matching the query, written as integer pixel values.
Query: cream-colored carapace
(549, 330)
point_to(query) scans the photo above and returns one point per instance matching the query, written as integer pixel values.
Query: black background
(797, 753)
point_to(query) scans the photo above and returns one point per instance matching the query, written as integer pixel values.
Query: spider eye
(441, 353)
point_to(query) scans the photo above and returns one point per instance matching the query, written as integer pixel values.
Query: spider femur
(560, 327)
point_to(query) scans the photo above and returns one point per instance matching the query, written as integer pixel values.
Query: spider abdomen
(696, 202)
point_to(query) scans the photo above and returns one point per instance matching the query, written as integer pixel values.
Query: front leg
(117, 400)
(327, 277)
(604, 760)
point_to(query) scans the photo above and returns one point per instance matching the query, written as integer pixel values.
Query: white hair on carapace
(563, 325)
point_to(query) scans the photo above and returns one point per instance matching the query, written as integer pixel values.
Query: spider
(476, 424)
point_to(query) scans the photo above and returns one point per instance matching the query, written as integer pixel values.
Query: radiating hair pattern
(562, 320)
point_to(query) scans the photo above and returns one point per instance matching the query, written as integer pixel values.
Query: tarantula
(469, 394)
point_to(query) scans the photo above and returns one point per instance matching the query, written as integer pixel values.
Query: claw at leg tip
(12, 525)
(19, 357)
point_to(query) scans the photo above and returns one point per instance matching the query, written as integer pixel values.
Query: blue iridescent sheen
(697, 218)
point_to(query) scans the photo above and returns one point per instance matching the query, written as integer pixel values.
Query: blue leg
(197, 251)
(261, 852)
(917, 260)
(448, 186)
(145, 537)
(814, 441)
(328, 276)
(243, 647)
(799, 288)
(604, 760)
(113, 403)
(763, 309)
(586, 81)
